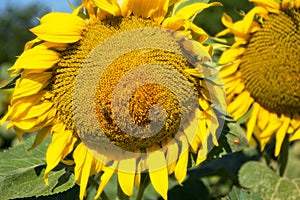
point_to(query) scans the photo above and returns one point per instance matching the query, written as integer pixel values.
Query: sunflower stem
(145, 183)
(121, 194)
(283, 156)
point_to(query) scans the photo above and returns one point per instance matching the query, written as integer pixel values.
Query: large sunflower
(261, 70)
(70, 84)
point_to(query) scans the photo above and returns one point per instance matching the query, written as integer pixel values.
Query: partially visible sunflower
(261, 70)
(44, 92)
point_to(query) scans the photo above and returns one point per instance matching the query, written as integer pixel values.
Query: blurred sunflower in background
(261, 70)
(44, 92)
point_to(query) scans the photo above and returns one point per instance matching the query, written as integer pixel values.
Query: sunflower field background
(234, 170)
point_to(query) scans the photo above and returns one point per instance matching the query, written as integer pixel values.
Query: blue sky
(56, 5)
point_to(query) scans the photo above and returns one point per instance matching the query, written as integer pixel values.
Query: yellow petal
(263, 118)
(58, 127)
(172, 2)
(160, 14)
(239, 101)
(199, 34)
(126, 7)
(110, 6)
(60, 28)
(85, 174)
(213, 126)
(28, 125)
(297, 4)
(19, 134)
(108, 172)
(252, 120)
(263, 142)
(273, 125)
(202, 130)
(79, 156)
(76, 11)
(98, 165)
(231, 83)
(204, 104)
(231, 55)
(195, 49)
(296, 135)
(248, 19)
(242, 109)
(202, 153)
(295, 123)
(239, 29)
(90, 7)
(172, 156)
(137, 180)
(31, 84)
(227, 70)
(126, 175)
(173, 23)
(21, 106)
(36, 58)
(181, 166)
(287, 4)
(190, 132)
(158, 172)
(240, 88)
(281, 134)
(48, 117)
(30, 44)
(189, 11)
(61, 145)
(38, 110)
(145, 8)
(68, 162)
(270, 5)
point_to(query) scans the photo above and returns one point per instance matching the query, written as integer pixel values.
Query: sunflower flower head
(261, 70)
(122, 88)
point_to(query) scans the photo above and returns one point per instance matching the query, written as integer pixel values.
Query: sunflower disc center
(271, 63)
(148, 103)
(90, 71)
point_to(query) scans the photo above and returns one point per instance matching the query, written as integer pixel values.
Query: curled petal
(189, 11)
(61, 145)
(110, 6)
(60, 27)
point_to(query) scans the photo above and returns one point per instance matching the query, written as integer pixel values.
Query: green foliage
(236, 137)
(241, 194)
(260, 179)
(22, 172)
(210, 18)
(15, 23)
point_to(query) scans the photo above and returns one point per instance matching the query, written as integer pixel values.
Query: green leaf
(236, 137)
(241, 194)
(293, 169)
(22, 172)
(18, 160)
(260, 179)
